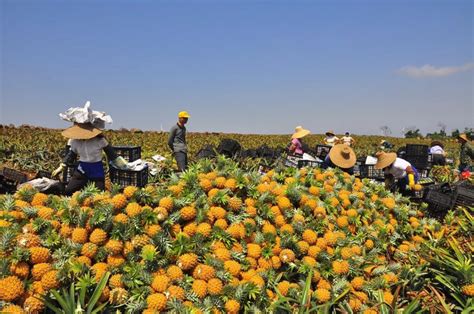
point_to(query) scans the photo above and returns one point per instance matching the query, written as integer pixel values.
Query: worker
(331, 139)
(466, 154)
(397, 169)
(177, 141)
(87, 142)
(347, 139)
(341, 156)
(296, 145)
(438, 153)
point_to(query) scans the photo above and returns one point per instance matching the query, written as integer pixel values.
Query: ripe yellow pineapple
(205, 184)
(40, 269)
(115, 260)
(174, 273)
(254, 250)
(20, 269)
(28, 240)
(230, 184)
(200, 288)
(204, 272)
(118, 296)
(160, 283)
(167, 203)
(235, 203)
(187, 213)
(283, 202)
(114, 246)
(39, 199)
(33, 305)
(156, 301)
(133, 209)
(222, 254)
(340, 267)
(232, 267)
(129, 191)
(79, 235)
(89, 249)
(219, 182)
(115, 281)
(283, 287)
(175, 292)
(11, 288)
(119, 201)
(121, 218)
(232, 306)
(98, 236)
(13, 309)
(50, 280)
(322, 295)
(287, 256)
(39, 255)
(204, 228)
(468, 290)
(214, 286)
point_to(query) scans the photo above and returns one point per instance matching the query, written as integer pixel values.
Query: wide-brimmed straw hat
(384, 159)
(81, 131)
(342, 156)
(300, 132)
(330, 132)
(463, 136)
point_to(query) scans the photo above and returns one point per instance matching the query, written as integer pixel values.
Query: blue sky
(241, 66)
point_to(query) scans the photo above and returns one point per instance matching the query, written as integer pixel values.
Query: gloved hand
(58, 170)
(119, 163)
(411, 181)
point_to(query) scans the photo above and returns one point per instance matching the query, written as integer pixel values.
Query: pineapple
(322, 295)
(156, 302)
(160, 283)
(33, 305)
(200, 288)
(174, 273)
(39, 255)
(20, 269)
(79, 235)
(175, 292)
(340, 267)
(11, 288)
(39, 199)
(98, 236)
(118, 296)
(167, 203)
(129, 191)
(119, 201)
(232, 267)
(287, 256)
(204, 272)
(133, 209)
(114, 246)
(115, 281)
(89, 249)
(254, 250)
(40, 269)
(13, 309)
(214, 286)
(232, 306)
(50, 280)
(187, 213)
(235, 203)
(283, 287)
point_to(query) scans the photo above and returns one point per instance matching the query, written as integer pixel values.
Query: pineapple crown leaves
(7, 203)
(40, 225)
(20, 254)
(162, 242)
(7, 239)
(222, 236)
(89, 191)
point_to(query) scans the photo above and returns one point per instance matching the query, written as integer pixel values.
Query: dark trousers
(439, 160)
(79, 180)
(181, 160)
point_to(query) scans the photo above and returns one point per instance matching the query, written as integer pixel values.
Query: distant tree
(385, 130)
(411, 132)
(455, 133)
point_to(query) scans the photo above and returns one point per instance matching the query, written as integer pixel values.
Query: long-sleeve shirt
(177, 139)
(467, 154)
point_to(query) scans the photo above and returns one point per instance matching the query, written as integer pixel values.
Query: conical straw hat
(300, 132)
(384, 159)
(342, 156)
(81, 131)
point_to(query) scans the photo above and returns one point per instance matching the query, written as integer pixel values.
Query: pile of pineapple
(216, 239)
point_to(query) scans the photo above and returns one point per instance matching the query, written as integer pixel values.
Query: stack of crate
(125, 178)
(418, 156)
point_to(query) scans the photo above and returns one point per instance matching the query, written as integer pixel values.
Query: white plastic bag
(86, 115)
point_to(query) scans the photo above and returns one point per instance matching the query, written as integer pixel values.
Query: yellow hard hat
(183, 114)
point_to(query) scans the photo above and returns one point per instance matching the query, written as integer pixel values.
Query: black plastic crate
(438, 200)
(129, 177)
(416, 150)
(369, 171)
(464, 194)
(14, 175)
(419, 162)
(68, 172)
(308, 163)
(424, 173)
(129, 153)
(321, 151)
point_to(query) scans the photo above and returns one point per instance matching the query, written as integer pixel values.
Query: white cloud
(428, 70)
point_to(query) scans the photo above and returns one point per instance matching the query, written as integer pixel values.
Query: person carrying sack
(341, 156)
(296, 145)
(177, 141)
(87, 142)
(396, 168)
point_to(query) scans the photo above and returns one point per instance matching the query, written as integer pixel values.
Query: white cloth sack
(86, 115)
(370, 160)
(41, 184)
